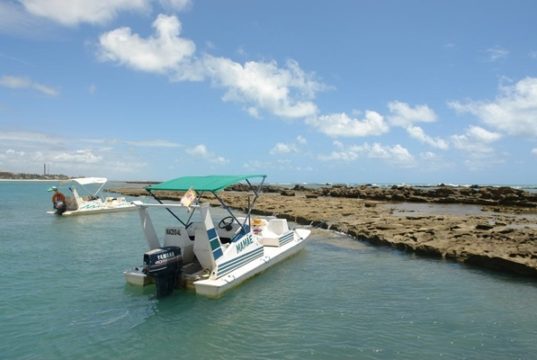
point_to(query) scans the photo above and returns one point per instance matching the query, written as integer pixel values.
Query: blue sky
(304, 91)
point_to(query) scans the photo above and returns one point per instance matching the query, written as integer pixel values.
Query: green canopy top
(212, 183)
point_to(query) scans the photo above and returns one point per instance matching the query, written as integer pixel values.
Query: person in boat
(58, 200)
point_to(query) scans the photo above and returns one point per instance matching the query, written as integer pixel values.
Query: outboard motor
(60, 207)
(164, 266)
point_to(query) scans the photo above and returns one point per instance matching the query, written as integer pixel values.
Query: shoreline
(492, 235)
(30, 180)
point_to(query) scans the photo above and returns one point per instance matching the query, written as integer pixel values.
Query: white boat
(199, 255)
(89, 202)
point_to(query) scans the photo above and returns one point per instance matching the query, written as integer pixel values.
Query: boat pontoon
(210, 258)
(88, 202)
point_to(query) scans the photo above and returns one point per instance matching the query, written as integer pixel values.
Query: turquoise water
(63, 296)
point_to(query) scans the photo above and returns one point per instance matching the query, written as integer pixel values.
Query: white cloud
(37, 139)
(342, 155)
(283, 91)
(201, 151)
(253, 112)
(14, 82)
(14, 152)
(417, 133)
(475, 140)
(343, 125)
(22, 151)
(157, 143)
(177, 5)
(19, 82)
(482, 135)
(534, 151)
(496, 53)
(514, 111)
(282, 148)
(405, 115)
(28, 137)
(78, 156)
(428, 155)
(15, 20)
(278, 165)
(150, 143)
(163, 52)
(73, 12)
(255, 165)
(396, 154)
(198, 150)
(27, 152)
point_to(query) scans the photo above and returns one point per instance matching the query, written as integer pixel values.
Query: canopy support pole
(171, 212)
(226, 207)
(256, 192)
(96, 192)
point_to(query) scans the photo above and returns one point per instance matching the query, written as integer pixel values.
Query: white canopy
(90, 180)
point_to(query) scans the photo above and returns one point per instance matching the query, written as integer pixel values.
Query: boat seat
(277, 226)
(225, 240)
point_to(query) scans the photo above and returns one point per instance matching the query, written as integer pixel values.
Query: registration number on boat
(173, 231)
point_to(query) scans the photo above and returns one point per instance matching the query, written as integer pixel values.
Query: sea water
(63, 296)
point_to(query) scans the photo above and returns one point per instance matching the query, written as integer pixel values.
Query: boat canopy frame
(88, 181)
(212, 184)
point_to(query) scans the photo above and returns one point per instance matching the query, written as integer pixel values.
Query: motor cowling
(60, 207)
(164, 266)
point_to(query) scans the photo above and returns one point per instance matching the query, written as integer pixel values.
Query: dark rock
(484, 226)
(287, 193)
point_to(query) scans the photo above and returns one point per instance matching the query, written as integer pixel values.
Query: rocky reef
(478, 195)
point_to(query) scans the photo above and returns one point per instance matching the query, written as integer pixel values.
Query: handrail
(141, 204)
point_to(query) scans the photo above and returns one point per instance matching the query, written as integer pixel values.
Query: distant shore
(9, 176)
(29, 180)
(490, 227)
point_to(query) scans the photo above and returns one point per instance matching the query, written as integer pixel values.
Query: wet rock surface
(500, 233)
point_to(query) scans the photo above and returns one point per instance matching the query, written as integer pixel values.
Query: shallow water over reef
(63, 296)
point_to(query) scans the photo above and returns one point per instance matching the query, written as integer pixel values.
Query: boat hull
(272, 256)
(98, 211)
(137, 277)
(215, 288)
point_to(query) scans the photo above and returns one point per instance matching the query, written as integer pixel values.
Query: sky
(304, 91)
